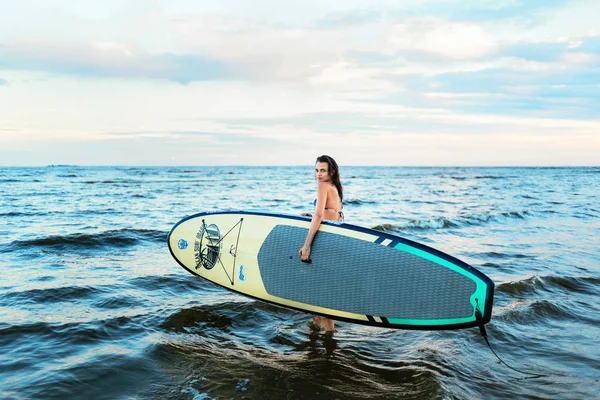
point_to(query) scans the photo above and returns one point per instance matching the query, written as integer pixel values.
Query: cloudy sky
(277, 82)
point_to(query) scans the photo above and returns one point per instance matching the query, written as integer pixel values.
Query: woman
(328, 206)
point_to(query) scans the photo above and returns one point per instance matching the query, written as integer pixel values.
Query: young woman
(328, 206)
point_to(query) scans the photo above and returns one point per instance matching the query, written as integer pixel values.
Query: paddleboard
(356, 274)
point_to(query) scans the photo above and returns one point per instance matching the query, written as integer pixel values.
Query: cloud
(218, 137)
(540, 51)
(525, 12)
(532, 11)
(442, 38)
(590, 44)
(3, 82)
(580, 59)
(521, 88)
(221, 45)
(109, 59)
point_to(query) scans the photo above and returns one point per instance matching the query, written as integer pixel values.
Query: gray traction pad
(356, 276)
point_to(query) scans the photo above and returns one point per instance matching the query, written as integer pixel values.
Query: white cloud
(576, 19)
(448, 39)
(107, 54)
(354, 81)
(449, 95)
(580, 59)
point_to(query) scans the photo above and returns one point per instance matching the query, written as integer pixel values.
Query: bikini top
(341, 214)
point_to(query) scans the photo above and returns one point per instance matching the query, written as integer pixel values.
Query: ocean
(92, 305)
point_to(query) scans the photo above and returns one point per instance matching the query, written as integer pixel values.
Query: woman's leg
(326, 323)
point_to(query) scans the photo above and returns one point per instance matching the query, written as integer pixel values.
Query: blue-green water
(92, 305)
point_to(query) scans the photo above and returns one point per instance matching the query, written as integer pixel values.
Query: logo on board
(242, 276)
(182, 244)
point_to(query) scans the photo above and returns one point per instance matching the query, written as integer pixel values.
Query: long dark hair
(334, 172)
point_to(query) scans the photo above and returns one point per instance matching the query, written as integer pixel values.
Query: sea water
(92, 306)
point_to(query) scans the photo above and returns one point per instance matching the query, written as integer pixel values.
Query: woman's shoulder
(325, 185)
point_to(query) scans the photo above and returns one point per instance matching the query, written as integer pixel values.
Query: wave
(503, 256)
(221, 316)
(199, 317)
(105, 181)
(461, 221)
(537, 310)
(51, 295)
(584, 215)
(118, 301)
(438, 223)
(358, 202)
(177, 284)
(549, 311)
(67, 214)
(21, 214)
(123, 182)
(112, 238)
(14, 332)
(550, 284)
(72, 333)
(549, 298)
(225, 315)
(183, 171)
(493, 177)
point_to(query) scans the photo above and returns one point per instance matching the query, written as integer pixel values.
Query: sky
(276, 82)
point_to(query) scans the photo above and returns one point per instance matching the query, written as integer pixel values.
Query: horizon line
(292, 166)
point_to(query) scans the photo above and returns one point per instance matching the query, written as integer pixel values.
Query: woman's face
(322, 172)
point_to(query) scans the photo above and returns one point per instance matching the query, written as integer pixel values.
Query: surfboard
(356, 274)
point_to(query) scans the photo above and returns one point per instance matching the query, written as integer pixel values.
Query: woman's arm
(316, 219)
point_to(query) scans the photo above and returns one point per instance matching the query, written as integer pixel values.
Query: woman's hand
(304, 253)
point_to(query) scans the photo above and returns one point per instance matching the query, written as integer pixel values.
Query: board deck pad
(355, 276)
